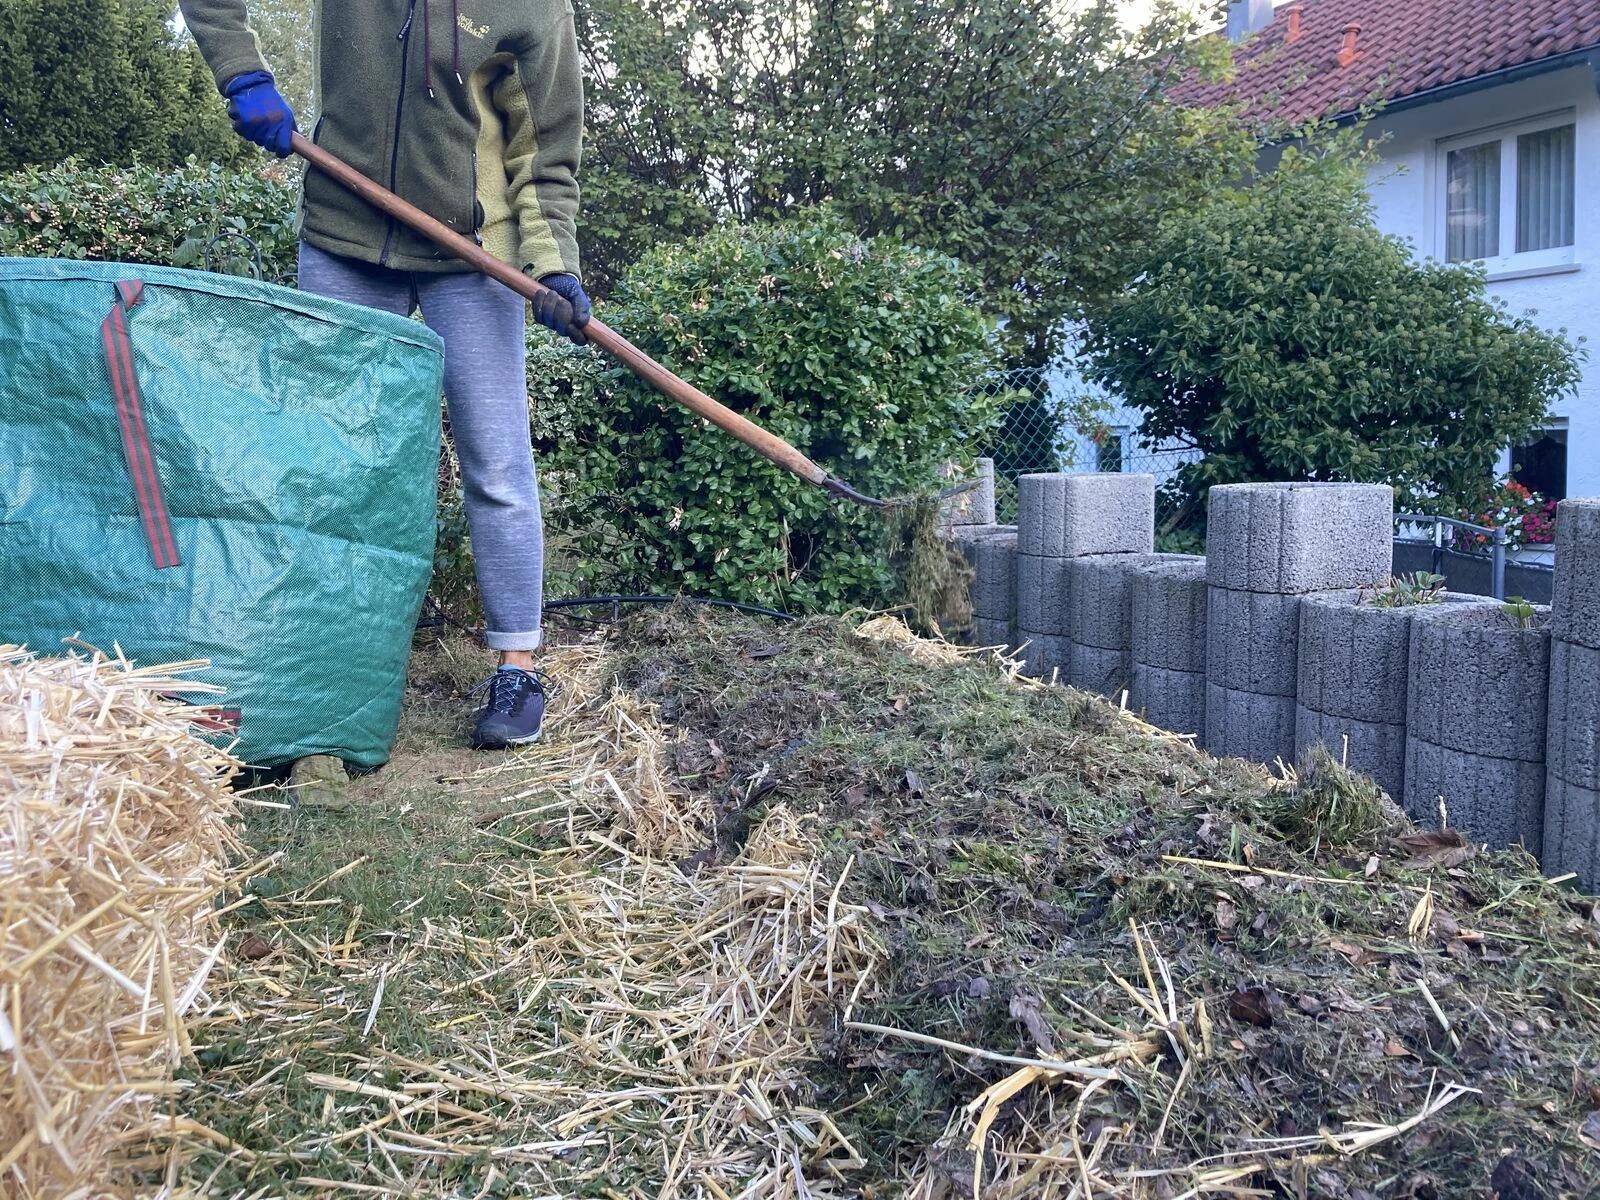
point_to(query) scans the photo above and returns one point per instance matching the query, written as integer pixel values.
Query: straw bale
(114, 845)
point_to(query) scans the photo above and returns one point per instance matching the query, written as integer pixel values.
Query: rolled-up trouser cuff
(531, 640)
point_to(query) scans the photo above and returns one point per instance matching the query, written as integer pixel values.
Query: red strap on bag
(130, 415)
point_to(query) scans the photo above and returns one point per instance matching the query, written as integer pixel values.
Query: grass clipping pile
(113, 848)
(832, 911)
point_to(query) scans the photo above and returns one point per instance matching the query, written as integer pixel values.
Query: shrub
(143, 215)
(1277, 330)
(866, 355)
(109, 80)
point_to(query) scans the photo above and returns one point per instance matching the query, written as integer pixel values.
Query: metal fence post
(1497, 579)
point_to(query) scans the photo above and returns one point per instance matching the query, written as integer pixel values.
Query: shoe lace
(508, 690)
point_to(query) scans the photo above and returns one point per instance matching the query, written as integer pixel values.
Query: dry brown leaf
(1252, 1006)
(1358, 955)
(1025, 1008)
(1227, 916)
(1589, 1131)
(1436, 848)
(255, 947)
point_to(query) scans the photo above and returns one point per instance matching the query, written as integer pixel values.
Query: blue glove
(564, 308)
(259, 113)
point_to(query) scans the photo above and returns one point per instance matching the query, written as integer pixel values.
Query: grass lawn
(786, 911)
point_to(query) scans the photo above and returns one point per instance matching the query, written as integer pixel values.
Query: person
(473, 111)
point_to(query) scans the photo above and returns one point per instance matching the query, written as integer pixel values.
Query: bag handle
(130, 415)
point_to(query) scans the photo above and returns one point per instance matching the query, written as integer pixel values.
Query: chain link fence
(1055, 421)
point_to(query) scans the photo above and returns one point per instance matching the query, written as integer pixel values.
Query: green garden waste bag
(198, 466)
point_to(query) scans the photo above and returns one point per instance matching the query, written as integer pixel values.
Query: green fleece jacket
(470, 109)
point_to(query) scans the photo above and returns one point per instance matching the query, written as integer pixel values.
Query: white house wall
(1407, 191)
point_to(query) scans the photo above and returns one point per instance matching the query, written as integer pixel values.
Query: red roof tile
(1404, 47)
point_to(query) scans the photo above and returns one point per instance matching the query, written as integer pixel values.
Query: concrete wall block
(1172, 700)
(1044, 655)
(1242, 724)
(1354, 658)
(1064, 516)
(1478, 684)
(1371, 747)
(1168, 614)
(992, 555)
(1576, 607)
(974, 507)
(1252, 641)
(1094, 669)
(1299, 537)
(1495, 800)
(1042, 595)
(1571, 831)
(1573, 742)
(1101, 586)
(987, 632)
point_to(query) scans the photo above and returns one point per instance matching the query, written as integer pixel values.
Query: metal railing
(1499, 541)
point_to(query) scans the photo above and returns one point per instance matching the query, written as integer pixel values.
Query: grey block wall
(1576, 607)
(1571, 831)
(1351, 684)
(1267, 546)
(1100, 619)
(1249, 725)
(1476, 722)
(1298, 537)
(1168, 603)
(991, 552)
(1572, 766)
(1066, 516)
(1374, 748)
(1495, 800)
(1059, 518)
(974, 507)
(1573, 745)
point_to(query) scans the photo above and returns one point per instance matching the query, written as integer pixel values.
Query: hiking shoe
(514, 714)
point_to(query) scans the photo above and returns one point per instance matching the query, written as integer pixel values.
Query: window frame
(1506, 134)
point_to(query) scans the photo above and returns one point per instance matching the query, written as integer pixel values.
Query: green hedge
(138, 214)
(864, 354)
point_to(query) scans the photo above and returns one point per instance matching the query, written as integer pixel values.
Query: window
(1541, 465)
(1109, 454)
(1510, 197)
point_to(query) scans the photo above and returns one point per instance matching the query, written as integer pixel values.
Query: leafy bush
(143, 215)
(864, 354)
(1277, 330)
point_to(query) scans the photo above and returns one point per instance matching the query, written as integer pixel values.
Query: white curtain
(1545, 194)
(1472, 208)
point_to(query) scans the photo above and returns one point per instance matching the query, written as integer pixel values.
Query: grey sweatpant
(486, 389)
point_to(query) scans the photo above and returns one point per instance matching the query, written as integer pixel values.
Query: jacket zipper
(476, 214)
(404, 38)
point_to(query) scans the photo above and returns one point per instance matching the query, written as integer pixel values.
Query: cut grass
(997, 838)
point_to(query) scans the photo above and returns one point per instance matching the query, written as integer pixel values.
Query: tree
(1277, 331)
(104, 80)
(287, 39)
(1037, 148)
